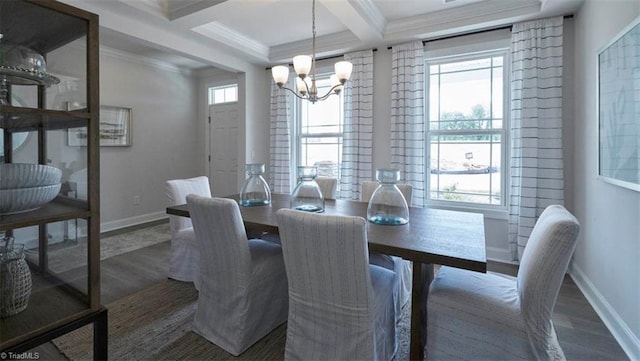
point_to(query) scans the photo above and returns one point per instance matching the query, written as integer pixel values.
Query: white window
(319, 130)
(466, 133)
(223, 94)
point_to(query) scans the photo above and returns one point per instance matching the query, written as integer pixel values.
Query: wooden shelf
(60, 209)
(19, 119)
(50, 306)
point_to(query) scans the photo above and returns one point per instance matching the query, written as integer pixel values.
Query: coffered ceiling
(268, 32)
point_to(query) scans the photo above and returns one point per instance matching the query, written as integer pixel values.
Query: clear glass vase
(387, 204)
(307, 195)
(255, 191)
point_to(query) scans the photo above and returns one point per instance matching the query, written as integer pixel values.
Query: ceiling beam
(156, 33)
(187, 10)
(361, 17)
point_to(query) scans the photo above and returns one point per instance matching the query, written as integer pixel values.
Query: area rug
(63, 258)
(155, 324)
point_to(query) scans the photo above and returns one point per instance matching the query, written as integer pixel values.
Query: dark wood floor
(582, 334)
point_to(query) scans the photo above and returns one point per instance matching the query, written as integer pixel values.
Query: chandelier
(305, 67)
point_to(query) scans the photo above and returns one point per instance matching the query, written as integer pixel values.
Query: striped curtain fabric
(407, 116)
(280, 140)
(357, 141)
(536, 126)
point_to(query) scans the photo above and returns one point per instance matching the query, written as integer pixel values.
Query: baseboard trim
(499, 255)
(616, 325)
(131, 221)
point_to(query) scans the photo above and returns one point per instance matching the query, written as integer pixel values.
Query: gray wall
(165, 137)
(606, 264)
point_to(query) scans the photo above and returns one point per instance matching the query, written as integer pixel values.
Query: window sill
(499, 213)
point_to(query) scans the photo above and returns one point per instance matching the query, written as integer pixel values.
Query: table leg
(422, 277)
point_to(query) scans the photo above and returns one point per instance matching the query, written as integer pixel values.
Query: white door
(223, 148)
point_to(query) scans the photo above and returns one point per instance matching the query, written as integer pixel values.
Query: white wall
(606, 264)
(165, 137)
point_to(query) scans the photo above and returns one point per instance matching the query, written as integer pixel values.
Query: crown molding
(488, 11)
(143, 60)
(234, 39)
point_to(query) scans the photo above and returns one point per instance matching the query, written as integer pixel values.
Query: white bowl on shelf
(18, 200)
(26, 175)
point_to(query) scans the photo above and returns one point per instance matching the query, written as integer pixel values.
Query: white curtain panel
(536, 126)
(407, 116)
(358, 125)
(280, 139)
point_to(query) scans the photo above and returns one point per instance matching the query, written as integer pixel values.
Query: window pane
(223, 94)
(322, 152)
(218, 96)
(466, 111)
(320, 131)
(465, 168)
(323, 116)
(231, 94)
(465, 95)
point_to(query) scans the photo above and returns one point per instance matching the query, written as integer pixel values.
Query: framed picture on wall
(619, 109)
(115, 128)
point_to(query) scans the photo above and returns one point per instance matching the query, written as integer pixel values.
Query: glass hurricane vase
(255, 191)
(387, 205)
(307, 195)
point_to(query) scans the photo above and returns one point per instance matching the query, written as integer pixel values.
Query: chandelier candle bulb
(280, 74)
(302, 65)
(343, 70)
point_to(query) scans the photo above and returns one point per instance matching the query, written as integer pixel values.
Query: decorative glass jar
(255, 191)
(387, 204)
(15, 278)
(307, 195)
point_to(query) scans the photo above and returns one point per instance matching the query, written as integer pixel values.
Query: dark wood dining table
(432, 236)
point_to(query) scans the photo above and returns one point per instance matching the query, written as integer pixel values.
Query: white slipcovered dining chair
(328, 186)
(397, 264)
(183, 255)
(243, 284)
(490, 316)
(340, 306)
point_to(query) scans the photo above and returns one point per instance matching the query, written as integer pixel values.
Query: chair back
(177, 191)
(368, 187)
(223, 243)
(542, 268)
(327, 263)
(328, 186)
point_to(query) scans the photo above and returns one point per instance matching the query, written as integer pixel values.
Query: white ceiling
(269, 32)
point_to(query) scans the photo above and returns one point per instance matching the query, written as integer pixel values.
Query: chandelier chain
(313, 40)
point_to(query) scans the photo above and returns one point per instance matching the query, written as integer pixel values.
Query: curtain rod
(325, 58)
(472, 33)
